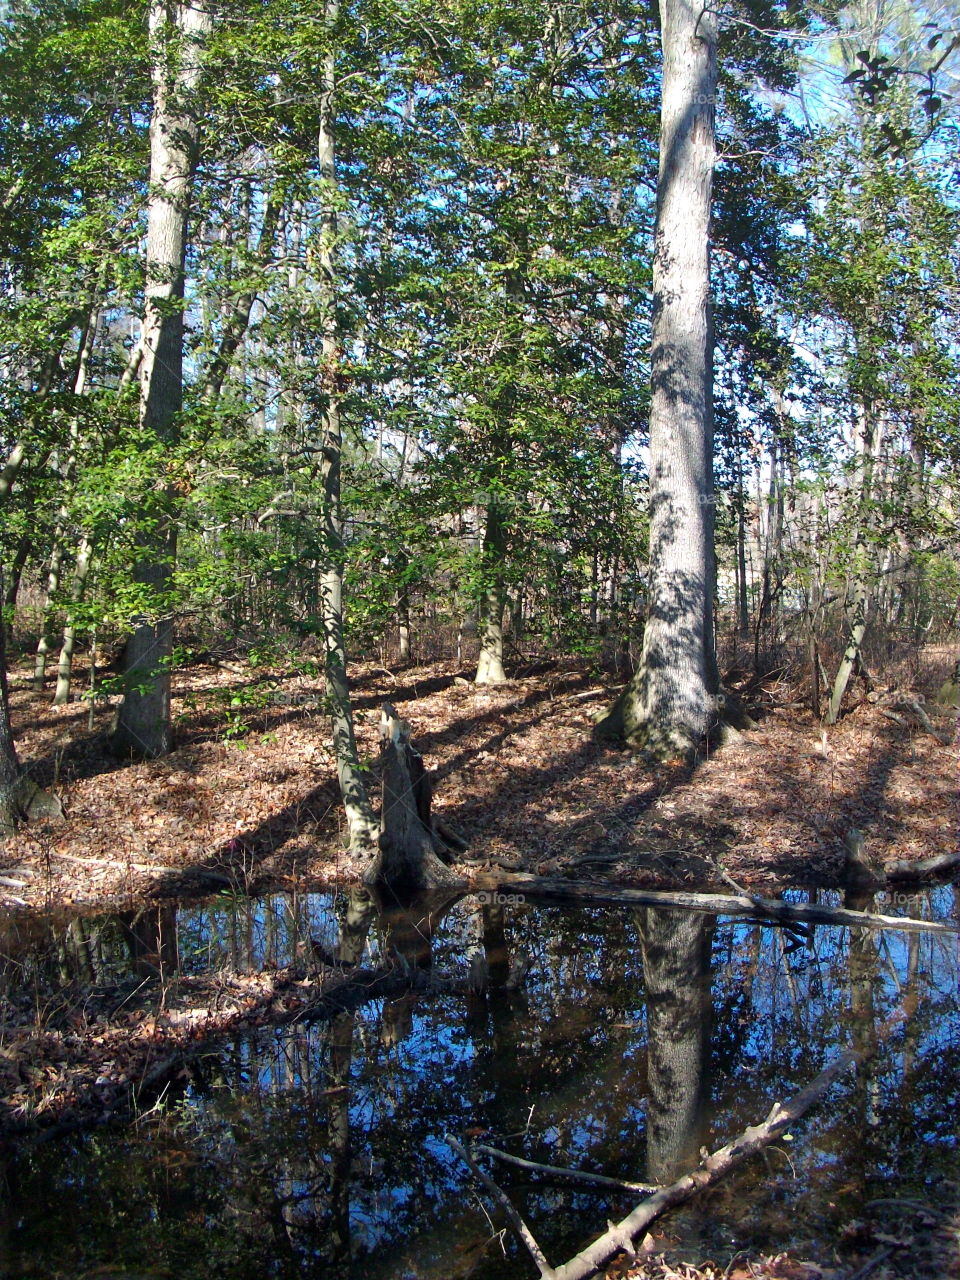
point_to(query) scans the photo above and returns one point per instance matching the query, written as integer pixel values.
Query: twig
(873, 1262)
(150, 867)
(523, 1231)
(894, 1202)
(576, 1175)
(711, 1170)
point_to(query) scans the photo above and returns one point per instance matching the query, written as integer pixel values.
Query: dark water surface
(616, 1041)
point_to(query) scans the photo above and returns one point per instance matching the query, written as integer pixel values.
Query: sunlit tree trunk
(361, 823)
(58, 549)
(144, 726)
(68, 646)
(670, 702)
(867, 444)
(493, 601)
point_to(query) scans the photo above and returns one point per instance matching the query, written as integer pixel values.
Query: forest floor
(249, 795)
(248, 799)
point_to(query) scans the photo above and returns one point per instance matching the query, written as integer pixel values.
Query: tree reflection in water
(315, 1150)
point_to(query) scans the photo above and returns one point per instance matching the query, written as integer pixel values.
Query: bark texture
(361, 823)
(176, 31)
(669, 704)
(411, 856)
(492, 602)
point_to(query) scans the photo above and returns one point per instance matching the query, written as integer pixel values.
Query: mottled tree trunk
(867, 444)
(65, 666)
(144, 726)
(493, 599)
(670, 702)
(361, 823)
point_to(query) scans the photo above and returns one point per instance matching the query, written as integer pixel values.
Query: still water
(619, 1041)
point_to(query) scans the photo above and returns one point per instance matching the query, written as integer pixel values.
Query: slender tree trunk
(22, 555)
(404, 635)
(493, 600)
(20, 797)
(671, 700)
(743, 606)
(58, 548)
(867, 443)
(18, 454)
(772, 575)
(144, 726)
(237, 319)
(65, 666)
(361, 823)
(404, 648)
(11, 468)
(9, 764)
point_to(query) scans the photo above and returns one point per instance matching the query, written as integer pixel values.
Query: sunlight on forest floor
(249, 795)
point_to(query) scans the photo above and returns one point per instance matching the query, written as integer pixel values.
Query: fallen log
(919, 869)
(765, 910)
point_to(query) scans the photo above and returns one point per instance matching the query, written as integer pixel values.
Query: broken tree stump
(411, 855)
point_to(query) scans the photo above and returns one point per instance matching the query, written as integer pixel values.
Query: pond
(617, 1041)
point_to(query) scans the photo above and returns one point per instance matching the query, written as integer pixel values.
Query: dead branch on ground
(620, 1235)
(762, 909)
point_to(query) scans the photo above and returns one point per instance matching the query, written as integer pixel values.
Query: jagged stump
(412, 855)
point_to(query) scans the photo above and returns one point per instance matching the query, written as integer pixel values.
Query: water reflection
(581, 1038)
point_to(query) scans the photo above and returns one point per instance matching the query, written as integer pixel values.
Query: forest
(479, 675)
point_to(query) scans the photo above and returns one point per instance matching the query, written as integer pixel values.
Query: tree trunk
(144, 725)
(20, 797)
(405, 647)
(868, 443)
(9, 764)
(408, 859)
(66, 482)
(492, 600)
(743, 602)
(670, 703)
(22, 555)
(361, 823)
(65, 666)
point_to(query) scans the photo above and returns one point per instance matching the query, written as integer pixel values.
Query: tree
(360, 819)
(144, 726)
(671, 700)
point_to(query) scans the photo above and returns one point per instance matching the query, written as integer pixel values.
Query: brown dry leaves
(514, 767)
